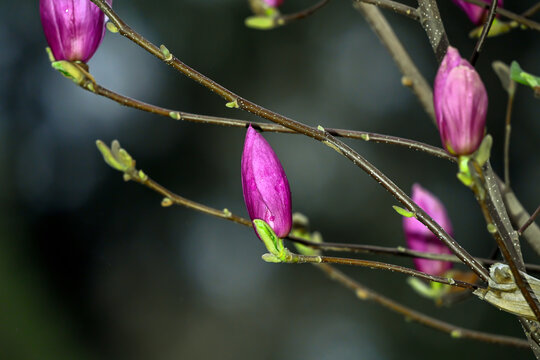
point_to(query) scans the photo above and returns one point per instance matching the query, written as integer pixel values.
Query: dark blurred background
(92, 267)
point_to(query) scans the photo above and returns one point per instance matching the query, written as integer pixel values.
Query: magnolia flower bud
(266, 190)
(460, 101)
(420, 238)
(474, 12)
(73, 28)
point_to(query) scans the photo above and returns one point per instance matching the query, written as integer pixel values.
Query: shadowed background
(94, 268)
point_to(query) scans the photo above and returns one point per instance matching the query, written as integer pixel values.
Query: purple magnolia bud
(73, 28)
(474, 12)
(274, 3)
(460, 101)
(266, 190)
(420, 238)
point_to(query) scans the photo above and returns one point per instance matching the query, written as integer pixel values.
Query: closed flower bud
(420, 238)
(460, 101)
(474, 12)
(73, 28)
(266, 190)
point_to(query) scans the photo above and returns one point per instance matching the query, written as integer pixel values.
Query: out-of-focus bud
(460, 102)
(274, 3)
(73, 28)
(474, 12)
(265, 186)
(420, 238)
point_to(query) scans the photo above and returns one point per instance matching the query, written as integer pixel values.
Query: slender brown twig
(214, 120)
(365, 293)
(362, 292)
(507, 133)
(171, 198)
(319, 259)
(529, 222)
(399, 251)
(288, 18)
(485, 31)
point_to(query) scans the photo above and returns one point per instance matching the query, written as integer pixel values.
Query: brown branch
(365, 293)
(213, 120)
(529, 222)
(495, 214)
(399, 251)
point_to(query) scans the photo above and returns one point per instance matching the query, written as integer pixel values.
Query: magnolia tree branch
(170, 198)
(364, 293)
(319, 134)
(288, 18)
(523, 228)
(399, 251)
(214, 120)
(495, 213)
(519, 216)
(412, 77)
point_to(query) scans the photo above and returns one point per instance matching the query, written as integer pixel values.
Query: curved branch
(214, 120)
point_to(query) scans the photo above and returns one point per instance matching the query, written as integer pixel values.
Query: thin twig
(412, 77)
(288, 18)
(361, 291)
(171, 198)
(529, 222)
(364, 293)
(532, 10)
(318, 134)
(214, 120)
(485, 31)
(319, 259)
(396, 7)
(399, 251)
(507, 132)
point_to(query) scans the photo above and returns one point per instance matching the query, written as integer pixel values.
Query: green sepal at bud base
(76, 72)
(272, 242)
(464, 174)
(260, 22)
(432, 290)
(115, 156)
(497, 28)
